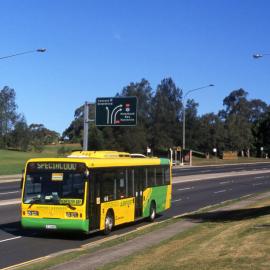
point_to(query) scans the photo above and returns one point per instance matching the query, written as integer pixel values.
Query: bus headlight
(32, 213)
(72, 214)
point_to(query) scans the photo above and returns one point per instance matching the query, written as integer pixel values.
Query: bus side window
(121, 185)
(130, 180)
(159, 176)
(107, 185)
(145, 178)
(167, 175)
(151, 176)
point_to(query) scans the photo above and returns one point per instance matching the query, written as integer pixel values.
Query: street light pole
(184, 110)
(41, 50)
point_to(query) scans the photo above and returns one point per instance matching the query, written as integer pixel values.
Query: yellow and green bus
(93, 190)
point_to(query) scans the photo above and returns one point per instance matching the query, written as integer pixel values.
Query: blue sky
(95, 48)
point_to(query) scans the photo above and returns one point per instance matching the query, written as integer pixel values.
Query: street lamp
(40, 50)
(259, 55)
(184, 110)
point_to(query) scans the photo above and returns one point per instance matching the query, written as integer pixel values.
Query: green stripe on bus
(158, 194)
(164, 161)
(57, 224)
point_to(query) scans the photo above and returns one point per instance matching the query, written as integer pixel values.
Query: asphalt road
(17, 246)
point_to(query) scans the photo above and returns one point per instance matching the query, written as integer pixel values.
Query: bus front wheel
(109, 221)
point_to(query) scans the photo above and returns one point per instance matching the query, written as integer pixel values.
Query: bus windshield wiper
(69, 205)
(33, 201)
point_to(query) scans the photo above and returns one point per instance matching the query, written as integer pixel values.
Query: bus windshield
(54, 188)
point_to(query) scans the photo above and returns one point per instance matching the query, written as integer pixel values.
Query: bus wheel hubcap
(153, 214)
(108, 223)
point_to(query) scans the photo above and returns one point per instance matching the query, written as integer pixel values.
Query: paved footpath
(117, 252)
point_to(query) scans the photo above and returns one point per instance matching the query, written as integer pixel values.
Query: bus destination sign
(116, 111)
(55, 166)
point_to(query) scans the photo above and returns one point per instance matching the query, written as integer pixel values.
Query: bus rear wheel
(109, 221)
(152, 212)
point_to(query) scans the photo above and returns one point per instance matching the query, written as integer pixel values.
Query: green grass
(218, 161)
(239, 240)
(12, 162)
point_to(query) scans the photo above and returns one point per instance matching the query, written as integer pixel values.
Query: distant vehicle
(93, 190)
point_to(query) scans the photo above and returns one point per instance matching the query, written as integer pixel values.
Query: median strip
(191, 178)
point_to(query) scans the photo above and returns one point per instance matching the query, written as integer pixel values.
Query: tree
(211, 133)
(263, 133)
(96, 140)
(236, 117)
(8, 115)
(237, 103)
(75, 130)
(137, 138)
(40, 136)
(192, 125)
(166, 112)
(20, 136)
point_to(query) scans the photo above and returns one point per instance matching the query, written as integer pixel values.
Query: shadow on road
(230, 215)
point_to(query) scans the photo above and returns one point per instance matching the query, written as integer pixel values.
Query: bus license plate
(51, 227)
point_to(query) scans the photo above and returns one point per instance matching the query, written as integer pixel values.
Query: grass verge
(236, 239)
(217, 161)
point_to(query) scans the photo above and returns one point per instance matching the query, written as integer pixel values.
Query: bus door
(138, 188)
(94, 202)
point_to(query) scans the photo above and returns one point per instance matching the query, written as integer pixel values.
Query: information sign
(116, 111)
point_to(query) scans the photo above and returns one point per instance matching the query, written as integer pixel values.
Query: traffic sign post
(86, 121)
(116, 111)
(85, 126)
(111, 111)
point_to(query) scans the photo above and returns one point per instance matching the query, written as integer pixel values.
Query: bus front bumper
(55, 224)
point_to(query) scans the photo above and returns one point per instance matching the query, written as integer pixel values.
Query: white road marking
(9, 202)
(181, 189)
(9, 239)
(258, 177)
(178, 200)
(10, 192)
(220, 191)
(257, 184)
(225, 182)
